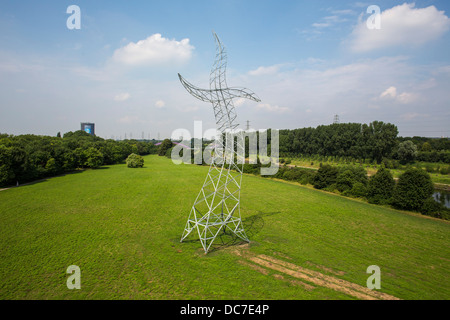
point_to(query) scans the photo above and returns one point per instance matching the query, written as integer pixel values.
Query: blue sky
(306, 60)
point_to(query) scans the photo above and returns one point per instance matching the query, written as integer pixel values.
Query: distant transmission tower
(248, 125)
(217, 206)
(336, 119)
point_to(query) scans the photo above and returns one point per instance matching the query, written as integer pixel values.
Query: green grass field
(122, 227)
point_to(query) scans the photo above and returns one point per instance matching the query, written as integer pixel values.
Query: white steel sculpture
(217, 206)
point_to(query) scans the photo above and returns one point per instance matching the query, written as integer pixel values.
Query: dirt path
(306, 277)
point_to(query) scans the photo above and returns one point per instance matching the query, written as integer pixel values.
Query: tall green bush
(348, 176)
(381, 187)
(325, 176)
(414, 187)
(135, 161)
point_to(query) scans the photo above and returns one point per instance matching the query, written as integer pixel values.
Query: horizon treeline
(29, 157)
(374, 141)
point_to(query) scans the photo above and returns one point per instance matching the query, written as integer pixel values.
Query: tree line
(354, 142)
(28, 157)
(412, 192)
(374, 141)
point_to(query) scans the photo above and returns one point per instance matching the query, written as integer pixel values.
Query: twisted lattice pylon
(217, 206)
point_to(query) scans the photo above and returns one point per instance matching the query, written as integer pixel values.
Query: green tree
(169, 153)
(51, 166)
(345, 180)
(6, 172)
(352, 181)
(432, 208)
(414, 187)
(135, 161)
(407, 151)
(325, 177)
(358, 190)
(381, 187)
(164, 146)
(426, 146)
(94, 158)
(69, 160)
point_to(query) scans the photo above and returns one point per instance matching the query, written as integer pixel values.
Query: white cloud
(122, 97)
(271, 108)
(239, 102)
(344, 12)
(264, 70)
(154, 50)
(160, 104)
(404, 98)
(390, 92)
(354, 91)
(332, 20)
(321, 24)
(402, 25)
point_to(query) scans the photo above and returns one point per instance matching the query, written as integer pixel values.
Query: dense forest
(29, 157)
(373, 141)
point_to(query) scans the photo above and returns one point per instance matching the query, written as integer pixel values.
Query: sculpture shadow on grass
(252, 226)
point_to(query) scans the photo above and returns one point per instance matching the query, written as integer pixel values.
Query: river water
(442, 197)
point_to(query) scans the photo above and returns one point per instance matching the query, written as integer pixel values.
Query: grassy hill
(122, 227)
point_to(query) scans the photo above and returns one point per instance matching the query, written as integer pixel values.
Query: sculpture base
(208, 230)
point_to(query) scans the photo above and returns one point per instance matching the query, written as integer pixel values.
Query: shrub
(429, 168)
(290, 175)
(387, 163)
(169, 153)
(344, 181)
(381, 187)
(348, 176)
(444, 170)
(331, 188)
(413, 188)
(252, 168)
(431, 208)
(358, 190)
(307, 177)
(135, 161)
(304, 176)
(325, 177)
